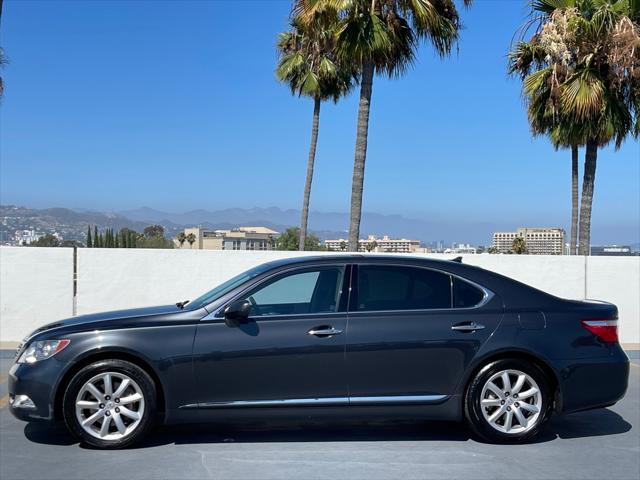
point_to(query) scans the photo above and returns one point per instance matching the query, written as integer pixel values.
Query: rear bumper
(594, 382)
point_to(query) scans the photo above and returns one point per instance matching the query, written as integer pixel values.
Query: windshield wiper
(182, 304)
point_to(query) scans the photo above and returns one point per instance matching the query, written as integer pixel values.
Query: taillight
(605, 330)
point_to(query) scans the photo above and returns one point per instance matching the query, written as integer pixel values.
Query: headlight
(37, 351)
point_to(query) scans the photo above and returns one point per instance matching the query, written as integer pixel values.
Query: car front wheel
(110, 404)
(508, 401)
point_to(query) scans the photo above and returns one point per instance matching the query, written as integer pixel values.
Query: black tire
(138, 375)
(473, 408)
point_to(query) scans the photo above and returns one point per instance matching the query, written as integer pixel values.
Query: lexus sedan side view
(344, 335)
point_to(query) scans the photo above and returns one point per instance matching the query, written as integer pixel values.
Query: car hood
(112, 319)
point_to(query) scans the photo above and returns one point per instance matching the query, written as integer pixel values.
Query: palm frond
(582, 96)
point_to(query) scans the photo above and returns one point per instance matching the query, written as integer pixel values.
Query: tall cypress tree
(116, 241)
(96, 241)
(89, 242)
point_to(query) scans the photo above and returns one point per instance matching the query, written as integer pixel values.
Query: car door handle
(324, 331)
(467, 327)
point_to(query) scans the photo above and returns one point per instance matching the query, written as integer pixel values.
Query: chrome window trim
(488, 294)
(327, 401)
(216, 314)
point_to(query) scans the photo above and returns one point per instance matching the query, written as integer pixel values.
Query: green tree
(290, 240)
(308, 64)
(116, 240)
(47, 240)
(95, 236)
(493, 250)
(381, 36)
(154, 231)
(89, 241)
(343, 246)
(371, 246)
(519, 246)
(585, 83)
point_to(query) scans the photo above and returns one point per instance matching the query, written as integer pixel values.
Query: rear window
(402, 288)
(466, 295)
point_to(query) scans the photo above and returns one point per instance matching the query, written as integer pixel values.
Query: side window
(402, 288)
(466, 295)
(308, 291)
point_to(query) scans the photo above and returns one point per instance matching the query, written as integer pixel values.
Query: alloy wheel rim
(110, 406)
(511, 402)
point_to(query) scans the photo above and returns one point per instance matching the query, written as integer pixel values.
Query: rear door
(412, 331)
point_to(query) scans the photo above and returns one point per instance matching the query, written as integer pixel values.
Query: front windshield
(227, 286)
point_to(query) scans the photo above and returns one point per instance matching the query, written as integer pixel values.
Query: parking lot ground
(598, 444)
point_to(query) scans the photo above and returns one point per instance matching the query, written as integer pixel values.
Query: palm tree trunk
(573, 245)
(357, 182)
(310, 161)
(588, 182)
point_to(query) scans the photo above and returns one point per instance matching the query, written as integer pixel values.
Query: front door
(411, 333)
(290, 352)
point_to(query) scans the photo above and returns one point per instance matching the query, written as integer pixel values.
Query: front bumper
(37, 381)
(595, 382)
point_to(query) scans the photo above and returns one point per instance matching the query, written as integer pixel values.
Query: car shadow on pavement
(585, 424)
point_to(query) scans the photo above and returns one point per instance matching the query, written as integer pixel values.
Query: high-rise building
(375, 244)
(539, 241)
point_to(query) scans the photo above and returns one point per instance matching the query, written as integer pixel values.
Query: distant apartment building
(612, 250)
(375, 244)
(26, 237)
(241, 238)
(461, 248)
(539, 241)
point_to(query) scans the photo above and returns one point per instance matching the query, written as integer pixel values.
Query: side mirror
(237, 312)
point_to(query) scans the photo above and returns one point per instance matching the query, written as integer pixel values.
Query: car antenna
(457, 260)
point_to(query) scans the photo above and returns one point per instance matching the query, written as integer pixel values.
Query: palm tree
(191, 238)
(589, 52)
(3, 59)
(3, 62)
(519, 246)
(381, 36)
(309, 66)
(544, 116)
(181, 237)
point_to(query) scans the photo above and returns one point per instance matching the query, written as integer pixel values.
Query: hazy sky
(174, 105)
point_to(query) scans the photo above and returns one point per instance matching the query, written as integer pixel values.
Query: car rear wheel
(508, 401)
(110, 404)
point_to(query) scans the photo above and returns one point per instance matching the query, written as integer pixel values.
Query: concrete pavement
(598, 444)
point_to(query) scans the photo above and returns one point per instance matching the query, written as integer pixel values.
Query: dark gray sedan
(350, 335)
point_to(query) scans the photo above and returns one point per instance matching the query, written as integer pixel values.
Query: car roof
(360, 258)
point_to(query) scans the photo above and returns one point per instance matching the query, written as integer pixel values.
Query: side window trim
(217, 314)
(353, 297)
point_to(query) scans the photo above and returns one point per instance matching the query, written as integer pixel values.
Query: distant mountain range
(72, 223)
(325, 224)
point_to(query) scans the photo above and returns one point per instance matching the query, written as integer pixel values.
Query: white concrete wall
(617, 280)
(36, 287)
(110, 279)
(115, 278)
